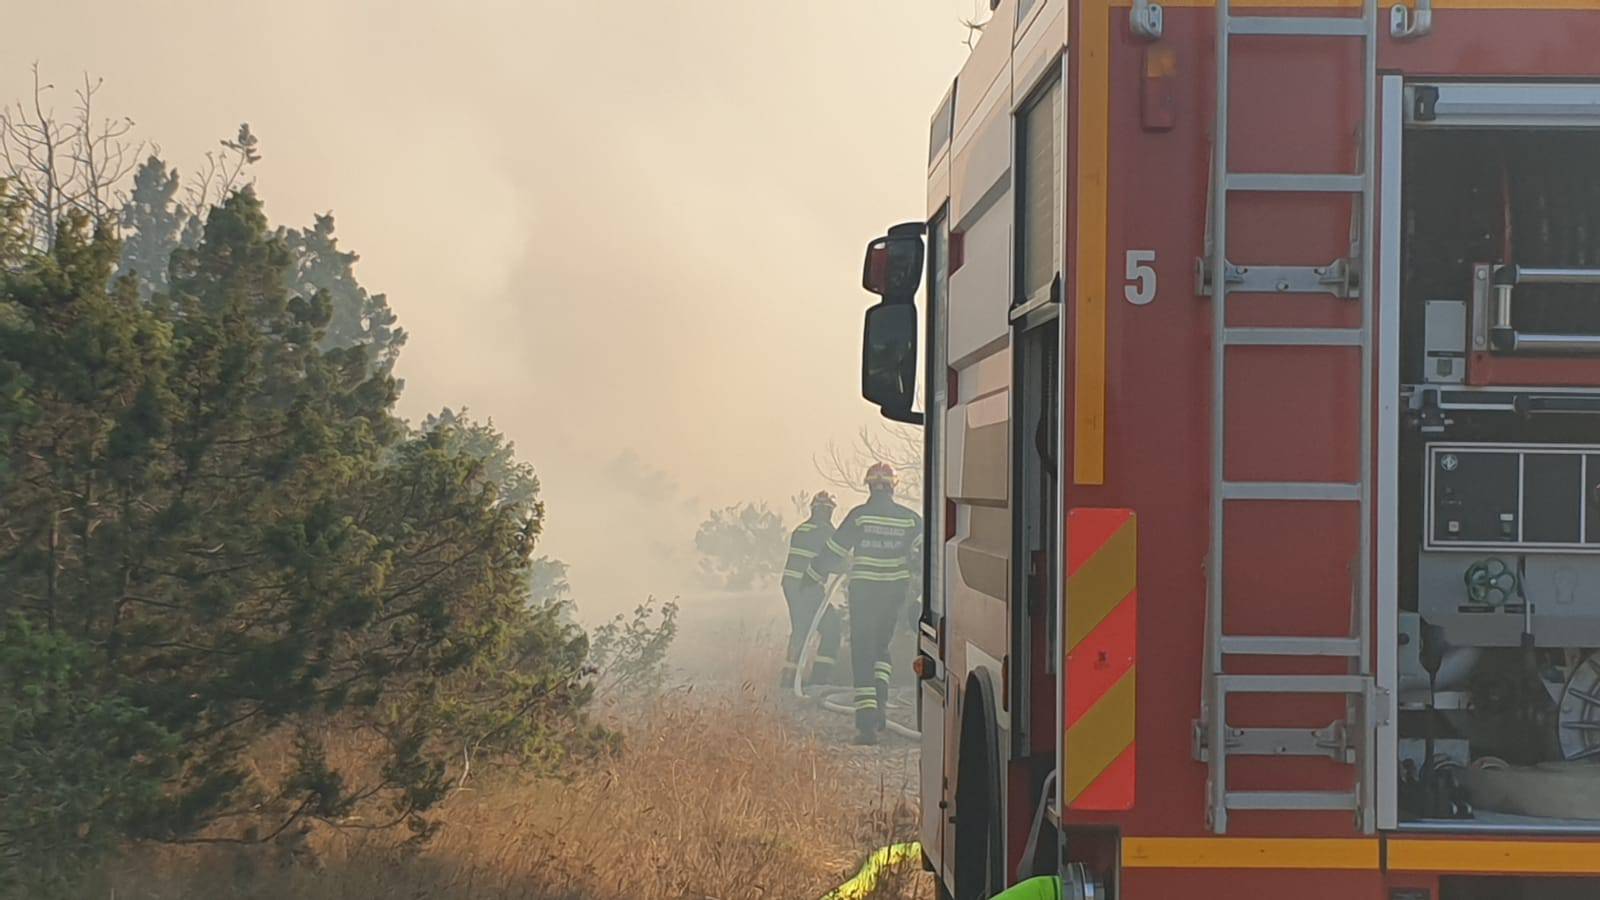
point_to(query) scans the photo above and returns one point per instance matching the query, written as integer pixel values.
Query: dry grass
(714, 797)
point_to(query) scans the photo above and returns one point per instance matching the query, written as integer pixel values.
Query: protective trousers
(803, 597)
(874, 610)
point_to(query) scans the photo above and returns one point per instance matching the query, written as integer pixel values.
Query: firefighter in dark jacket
(804, 594)
(882, 542)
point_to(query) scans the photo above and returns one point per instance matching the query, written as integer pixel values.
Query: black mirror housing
(893, 265)
(889, 358)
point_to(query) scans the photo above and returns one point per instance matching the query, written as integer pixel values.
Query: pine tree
(359, 319)
(514, 480)
(152, 226)
(217, 530)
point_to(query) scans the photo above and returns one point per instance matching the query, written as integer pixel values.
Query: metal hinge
(1406, 23)
(1379, 707)
(1339, 278)
(1332, 741)
(1145, 19)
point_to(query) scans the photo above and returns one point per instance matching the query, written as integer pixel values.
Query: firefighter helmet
(823, 498)
(880, 475)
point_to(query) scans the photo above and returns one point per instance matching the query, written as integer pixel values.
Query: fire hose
(880, 862)
(1046, 887)
(825, 696)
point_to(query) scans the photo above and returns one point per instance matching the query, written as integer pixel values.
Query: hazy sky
(628, 231)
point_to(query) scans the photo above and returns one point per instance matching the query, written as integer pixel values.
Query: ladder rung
(1292, 337)
(1311, 800)
(1309, 491)
(1300, 184)
(1293, 684)
(1309, 26)
(1339, 647)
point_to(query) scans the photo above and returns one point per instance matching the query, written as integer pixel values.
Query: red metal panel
(1294, 413)
(1157, 427)
(1293, 416)
(1490, 369)
(1499, 43)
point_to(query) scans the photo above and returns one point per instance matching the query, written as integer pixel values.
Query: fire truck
(1257, 346)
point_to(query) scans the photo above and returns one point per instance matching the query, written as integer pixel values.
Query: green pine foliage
(358, 319)
(80, 764)
(215, 532)
(152, 226)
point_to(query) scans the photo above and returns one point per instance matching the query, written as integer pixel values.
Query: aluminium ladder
(1351, 741)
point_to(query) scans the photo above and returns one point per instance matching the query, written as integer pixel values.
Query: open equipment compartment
(1499, 470)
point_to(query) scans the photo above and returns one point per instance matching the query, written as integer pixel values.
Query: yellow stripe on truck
(1250, 853)
(1093, 190)
(1464, 855)
(1494, 857)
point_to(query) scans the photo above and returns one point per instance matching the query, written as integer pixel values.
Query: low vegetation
(712, 797)
(261, 637)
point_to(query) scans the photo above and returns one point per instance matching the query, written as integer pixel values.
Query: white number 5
(1141, 271)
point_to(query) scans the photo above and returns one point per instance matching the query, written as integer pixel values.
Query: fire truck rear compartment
(1529, 199)
(1499, 479)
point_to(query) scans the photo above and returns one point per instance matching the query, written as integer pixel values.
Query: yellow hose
(1046, 887)
(881, 861)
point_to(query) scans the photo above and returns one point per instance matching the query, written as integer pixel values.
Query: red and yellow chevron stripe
(1101, 638)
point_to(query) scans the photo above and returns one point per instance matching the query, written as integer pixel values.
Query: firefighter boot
(866, 716)
(883, 672)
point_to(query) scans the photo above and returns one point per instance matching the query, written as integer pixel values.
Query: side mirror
(893, 267)
(889, 359)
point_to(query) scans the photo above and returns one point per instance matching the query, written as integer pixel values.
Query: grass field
(719, 794)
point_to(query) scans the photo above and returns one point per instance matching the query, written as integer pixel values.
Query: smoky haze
(630, 231)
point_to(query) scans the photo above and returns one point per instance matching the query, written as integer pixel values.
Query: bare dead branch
(223, 171)
(974, 25)
(843, 466)
(62, 165)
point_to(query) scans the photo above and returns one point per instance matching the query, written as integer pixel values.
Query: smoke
(630, 232)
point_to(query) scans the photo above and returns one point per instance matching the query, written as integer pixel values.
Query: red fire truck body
(1296, 598)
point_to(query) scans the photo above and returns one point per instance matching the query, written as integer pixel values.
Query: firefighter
(886, 540)
(804, 594)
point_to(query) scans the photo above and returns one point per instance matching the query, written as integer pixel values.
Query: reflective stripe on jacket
(806, 543)
(885, 537)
